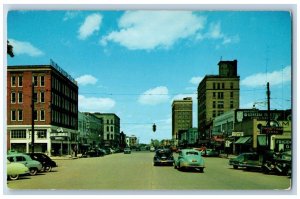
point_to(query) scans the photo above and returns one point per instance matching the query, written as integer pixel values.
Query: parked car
(33, 165)
(280, 163)
(46, 161)
(210, 153)
(127, 150)
(94, 152)
(249, 160)
(163, 157)
(189, 158)
(14, 170)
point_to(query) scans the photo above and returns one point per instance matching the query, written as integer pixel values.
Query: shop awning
(244, 140)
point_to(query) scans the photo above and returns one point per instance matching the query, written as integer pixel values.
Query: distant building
(217, 94)
(90, 130)
(182, 116)
(189, 137)
(132, 141)
(55, 109)
(111, 129)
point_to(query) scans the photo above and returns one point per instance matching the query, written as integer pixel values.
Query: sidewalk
(227, 156)
(65, 157)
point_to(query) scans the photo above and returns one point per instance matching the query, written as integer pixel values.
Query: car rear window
(192, 153)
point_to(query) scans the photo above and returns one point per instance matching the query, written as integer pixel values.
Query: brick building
(55, 109)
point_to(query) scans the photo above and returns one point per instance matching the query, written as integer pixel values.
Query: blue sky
(135, 63)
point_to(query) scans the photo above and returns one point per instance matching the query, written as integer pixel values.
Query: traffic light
(154, 127)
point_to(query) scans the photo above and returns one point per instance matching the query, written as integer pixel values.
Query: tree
(10, 49)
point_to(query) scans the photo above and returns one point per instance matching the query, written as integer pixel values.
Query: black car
(46, 161)
(94, 152)
(247, 160)
(163, 157)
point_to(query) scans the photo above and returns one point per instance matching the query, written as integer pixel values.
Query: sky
(134, 63)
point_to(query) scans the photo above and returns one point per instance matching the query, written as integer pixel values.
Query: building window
(220, 95)
(231, 95)
(214, 95)
(20, 81)
(223, 85)
(35, 115)
(231, 85)
(20, 115)
(42, 134)
(231, 104)
(20, 97)
(13, 115)
(42, 97)
(220, 104)
(107, 136)
(42, 115)
(111, 136)
(214, 104)
(35, 80)
(214, 85)
(42, 80)
(107, 128)
(13, 81)
(35, 97)
(214, 114)
(18, 133)
(220, 112)
(111, 129)
(13, 97)
(218, 85)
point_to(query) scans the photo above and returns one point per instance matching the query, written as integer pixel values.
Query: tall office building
(182, 116)
(216, 95)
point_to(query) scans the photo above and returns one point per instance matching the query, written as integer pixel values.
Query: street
(136, 172)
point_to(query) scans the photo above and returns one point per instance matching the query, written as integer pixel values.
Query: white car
(15, 169)
(152, 149)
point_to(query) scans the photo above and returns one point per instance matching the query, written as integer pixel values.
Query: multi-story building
(189, 137)
(216, 95)
(55, 113)
(132, 141)
(182, 117)
(111, 129)
(90, 131)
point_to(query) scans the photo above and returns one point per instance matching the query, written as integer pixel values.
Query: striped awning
(244, 140)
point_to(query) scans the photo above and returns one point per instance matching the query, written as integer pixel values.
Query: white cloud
(196, 80)
(90, 25)
(154, 96)
(215, 32)
(274, 78)
(147, 30)
(70, 15)
(23, 47)
(86, 79)
(94, 104)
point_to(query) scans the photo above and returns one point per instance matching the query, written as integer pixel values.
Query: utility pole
(269, 115)
(32, 117)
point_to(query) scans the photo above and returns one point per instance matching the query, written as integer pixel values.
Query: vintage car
(210, 153)
(46, 161)
(94, 152)
(189, 159)
(163, 157)
(33, 165)
(127, 150)
(250, 160)
(14, 170)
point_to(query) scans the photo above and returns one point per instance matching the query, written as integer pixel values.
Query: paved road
(136, 172)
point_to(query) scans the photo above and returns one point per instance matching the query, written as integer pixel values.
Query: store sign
(272, 130)
(237, 134)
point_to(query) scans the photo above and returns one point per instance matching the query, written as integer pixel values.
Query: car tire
(235, 167)
(13, 177)
(47, 168)
(201, 170)
(33, 171)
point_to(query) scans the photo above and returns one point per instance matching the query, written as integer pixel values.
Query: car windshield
(192, 153)
(163, 152)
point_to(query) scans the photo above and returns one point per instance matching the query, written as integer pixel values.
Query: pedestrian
(75, 150)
